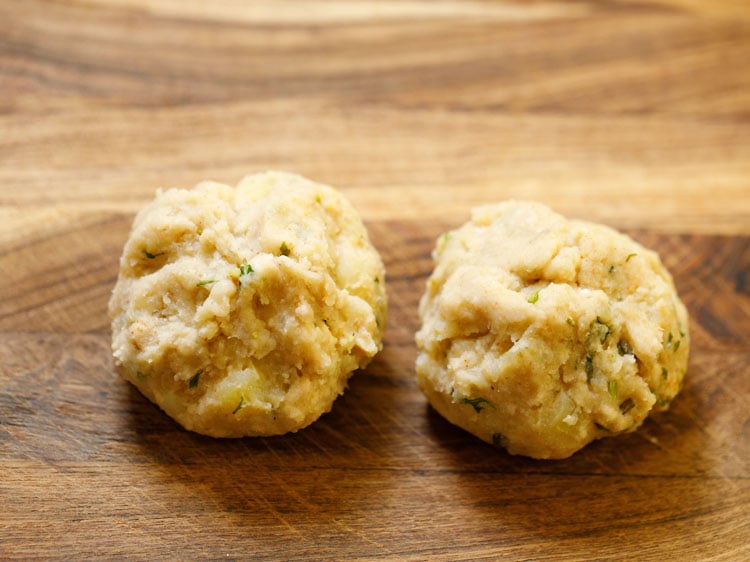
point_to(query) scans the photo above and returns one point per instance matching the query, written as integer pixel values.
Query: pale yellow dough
(540, 334)
(243, 311)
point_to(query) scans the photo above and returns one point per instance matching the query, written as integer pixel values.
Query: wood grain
(633, 113)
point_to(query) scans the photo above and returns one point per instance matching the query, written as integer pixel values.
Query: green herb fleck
(284, 249)
(589, 367)
(612, 388)
(318, 199)
(623, 348)
(141, 375)
(534, 297)
(664, 373)
(205, 282)
(601, 427)
(151, 256)
(477, 403)
(240, 405)
(194, 379)
(245, 268)
(682, 334)
(570, 321)
(630, 256)
(377, 280)
(676, 345)
(611, 268)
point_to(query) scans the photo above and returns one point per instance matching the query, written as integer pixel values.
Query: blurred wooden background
(632, 113)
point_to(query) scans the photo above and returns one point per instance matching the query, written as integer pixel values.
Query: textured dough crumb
(541, 334)
(243, 311)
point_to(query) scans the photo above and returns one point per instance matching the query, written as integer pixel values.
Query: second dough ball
(541, 334)
(243, 311)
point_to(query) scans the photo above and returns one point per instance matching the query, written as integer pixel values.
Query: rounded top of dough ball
(541, 334)
(243, 311)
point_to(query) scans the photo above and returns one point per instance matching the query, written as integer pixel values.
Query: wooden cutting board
(636, 114)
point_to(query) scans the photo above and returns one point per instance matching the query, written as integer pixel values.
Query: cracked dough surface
(541, 334)
(243, 311)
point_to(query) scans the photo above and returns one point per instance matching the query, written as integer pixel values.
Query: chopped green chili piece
(570, 321)
(603, 334)
(589, 367)
(534, 297)
(194, 379)
(240, 405)
(151, 256)
(676, 345)
(284, 249)
(245, 268)
(477, 403)
(623, 348)
(630, 256)
(668, 344)
(204, 283)
(612, 388)
(627, 405)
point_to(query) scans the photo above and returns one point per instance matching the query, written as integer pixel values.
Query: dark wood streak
(244, 72)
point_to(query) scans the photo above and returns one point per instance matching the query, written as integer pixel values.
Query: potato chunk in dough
(541, 334)
(243, 311)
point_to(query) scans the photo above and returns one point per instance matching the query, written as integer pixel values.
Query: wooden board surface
(636, 114)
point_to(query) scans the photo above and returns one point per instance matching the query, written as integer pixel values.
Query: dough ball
(243, 311)
(541, 334)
